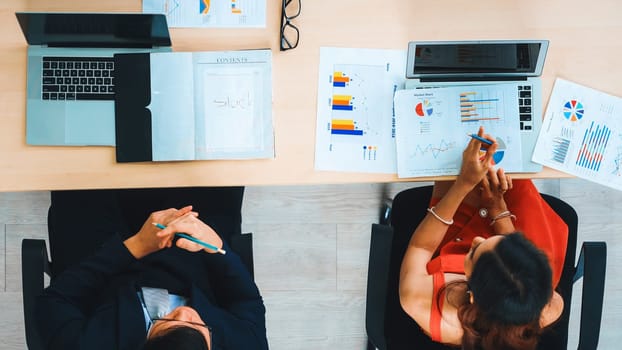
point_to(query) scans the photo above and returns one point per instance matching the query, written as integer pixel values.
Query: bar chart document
(355, 121)
(582, 134)
(210, 13)
(432, 125)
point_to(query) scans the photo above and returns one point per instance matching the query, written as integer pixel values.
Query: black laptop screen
(94, 29)
(476, 58)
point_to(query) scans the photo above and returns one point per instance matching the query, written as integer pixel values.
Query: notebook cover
(132, 118)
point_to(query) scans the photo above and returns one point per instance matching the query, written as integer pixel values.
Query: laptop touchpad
(90, 123)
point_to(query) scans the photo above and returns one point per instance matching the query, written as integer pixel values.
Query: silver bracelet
(502, 215)
(446, 222)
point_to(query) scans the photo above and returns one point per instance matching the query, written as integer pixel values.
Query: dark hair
(179, 338)
(511, 284)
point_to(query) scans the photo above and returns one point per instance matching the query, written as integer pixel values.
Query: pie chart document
(431, 127)
(582, 134)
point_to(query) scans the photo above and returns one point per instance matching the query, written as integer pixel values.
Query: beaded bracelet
(446, 222)
(502, 215)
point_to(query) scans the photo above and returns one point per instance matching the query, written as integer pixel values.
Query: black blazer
(94, 304)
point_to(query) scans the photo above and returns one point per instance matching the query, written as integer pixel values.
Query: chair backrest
(401, 331)
(242, 244)
(34, 264)
(557, 336)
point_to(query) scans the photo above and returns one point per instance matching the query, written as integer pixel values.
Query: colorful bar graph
(473, 109)
(340, 79)
(342, 103)
(466, 118)
(344, 127)
(593, 147)
(560, 149)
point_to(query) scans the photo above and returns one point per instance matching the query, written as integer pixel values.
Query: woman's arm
(494, 186)
(430, 232)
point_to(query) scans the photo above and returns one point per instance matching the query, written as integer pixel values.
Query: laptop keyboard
(77, 78)
(524, 107)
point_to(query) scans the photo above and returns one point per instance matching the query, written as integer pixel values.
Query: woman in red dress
(480, 269)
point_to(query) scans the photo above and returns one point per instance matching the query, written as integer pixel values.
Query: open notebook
(194, 106)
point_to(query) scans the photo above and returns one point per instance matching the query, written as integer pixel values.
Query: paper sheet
(210, 13)
(172, 138)
(582, 134)
(212, 105)
(232, 99)
(355, 122)
(432, 126)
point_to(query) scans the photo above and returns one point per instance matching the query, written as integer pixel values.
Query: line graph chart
(434, 150)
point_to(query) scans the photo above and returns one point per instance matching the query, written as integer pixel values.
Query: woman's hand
(474, 166)
(146, 241)
(493, 187)
(191, 225)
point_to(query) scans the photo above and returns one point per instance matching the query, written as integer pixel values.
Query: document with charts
(432, 126)
(355, 128)
(582, 134)
(210, 13)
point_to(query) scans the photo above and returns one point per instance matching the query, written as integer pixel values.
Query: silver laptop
(458, 63)
(70, 86)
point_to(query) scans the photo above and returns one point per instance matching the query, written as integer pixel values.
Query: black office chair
(389, 327)
(36, 264)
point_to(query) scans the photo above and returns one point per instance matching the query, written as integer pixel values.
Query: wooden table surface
(585, 47)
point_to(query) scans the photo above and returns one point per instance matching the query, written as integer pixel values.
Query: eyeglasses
(289, 32)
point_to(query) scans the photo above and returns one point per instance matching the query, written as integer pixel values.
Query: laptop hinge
(470, 79)
(91, 45)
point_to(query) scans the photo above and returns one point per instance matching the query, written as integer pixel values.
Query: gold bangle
(446, 222)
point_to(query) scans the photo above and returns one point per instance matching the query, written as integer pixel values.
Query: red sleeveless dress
(534, 218)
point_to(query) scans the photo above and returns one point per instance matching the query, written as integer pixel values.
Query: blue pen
(190, 238)
(486, 141)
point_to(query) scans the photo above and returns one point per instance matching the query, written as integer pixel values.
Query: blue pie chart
(498, 156)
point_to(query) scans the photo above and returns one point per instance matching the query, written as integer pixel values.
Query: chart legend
(370, 152)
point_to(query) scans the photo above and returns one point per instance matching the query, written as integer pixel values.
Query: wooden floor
(311, 251)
